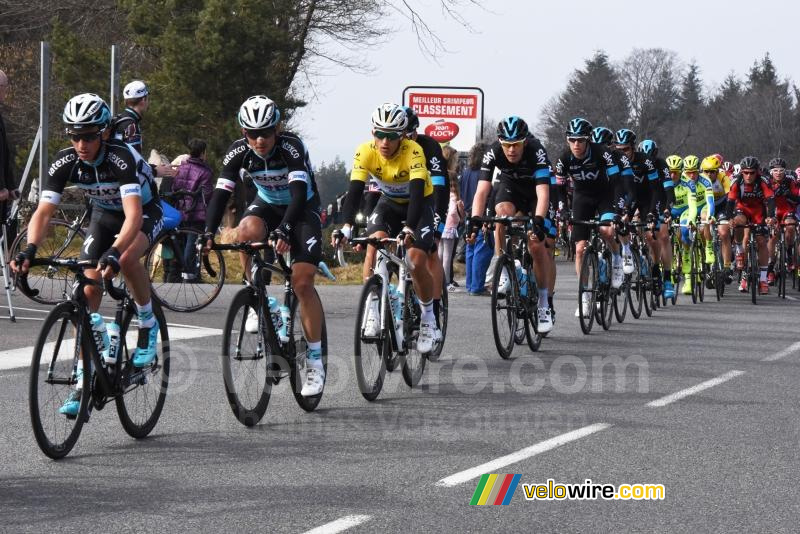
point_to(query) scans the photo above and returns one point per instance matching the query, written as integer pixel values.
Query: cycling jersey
(602, 172)
(118, 172)
(434, 160)
(394, 175)
(756, 201)
(287, 163)
(720, 188)
(787, 196)
(517, 181)
(693, 195)
(125, 127)
(647, 187)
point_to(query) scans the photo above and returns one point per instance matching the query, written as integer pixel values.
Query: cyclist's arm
(691, 203)
(769, 199)
(440, 179)
(732, 197)
(669, 187)
(132, 207)
(226, 184)
(299, 179)
(416, 201)
(37, 228)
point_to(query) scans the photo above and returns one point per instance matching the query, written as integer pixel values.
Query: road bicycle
(595, 279)
(253, 362)
(751, 271)
(66, 348)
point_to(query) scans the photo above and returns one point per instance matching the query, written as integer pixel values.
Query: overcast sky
(522, 53)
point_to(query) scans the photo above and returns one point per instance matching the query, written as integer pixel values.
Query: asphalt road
(599, 407)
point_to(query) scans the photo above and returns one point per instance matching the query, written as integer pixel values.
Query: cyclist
(675, 168)
(126, 215)
(787, 198)
(662, 200)
(397, 165)
(695, 197)
(523, 189)
(601, 180)
(712, 170)
(286, 208)
(752, 200)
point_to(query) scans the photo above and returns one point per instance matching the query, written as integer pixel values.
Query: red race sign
(442, 131)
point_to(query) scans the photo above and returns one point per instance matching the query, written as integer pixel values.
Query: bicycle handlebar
(251, 248)
(74, 265)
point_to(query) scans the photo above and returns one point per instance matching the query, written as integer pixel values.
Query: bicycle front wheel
(587, 290)
(145, 389)
(54, 284)
(504, 309)
(247, 358)
(636, 292)
(371, 353)
(179, 282)
(754, 268)
(55, 378)
(442, 322)
(299, 354)
(414, 360)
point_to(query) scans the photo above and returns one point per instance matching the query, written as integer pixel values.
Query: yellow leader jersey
(392, 176)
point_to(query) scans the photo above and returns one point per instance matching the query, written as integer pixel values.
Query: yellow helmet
(675, 163)
(711, 163)
(691, 163)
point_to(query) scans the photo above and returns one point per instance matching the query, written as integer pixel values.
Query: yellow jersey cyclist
(693, 195)
(711, 169)
(126, 214)
(397, 165)
(286, 207)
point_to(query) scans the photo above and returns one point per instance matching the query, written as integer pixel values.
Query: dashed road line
(791, 349)
(669, 399)
(340, 525)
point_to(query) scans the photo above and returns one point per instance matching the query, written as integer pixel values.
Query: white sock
(763, 273)
(427, 312)
(543, 297)
(145, 312)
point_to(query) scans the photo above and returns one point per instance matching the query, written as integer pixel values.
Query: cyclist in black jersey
(126, 215)
(287, 208)
(523, 188)
(661, 208)
(602, 183)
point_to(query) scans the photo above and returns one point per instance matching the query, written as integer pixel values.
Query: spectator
(194, 175)
(8, 185)
(480, 254)
(455, 214)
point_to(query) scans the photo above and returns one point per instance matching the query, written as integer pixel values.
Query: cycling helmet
(737, 168)
(625, 137)
(649, 147)
(750, 162)
(258, 112)
(390, 117)
(719, 157)
(727, 166)
(710, 163)
(135, 89)
(512, 128)
(691, 163)
(675, 163)
(413, 119)
(777, 162)
(602, 135)
(84, 110)
(579, 127)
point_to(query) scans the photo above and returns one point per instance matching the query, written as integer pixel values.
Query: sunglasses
(87, 137)
(711, 171)
(266, 133)
(391, 136)
(576, 140)
(511, 143)
(748, 173)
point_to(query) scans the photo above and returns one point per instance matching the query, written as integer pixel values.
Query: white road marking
(340, 525)
(528, 452)
(669, 399)
(791, 349)
(791, 297)
(21, 357)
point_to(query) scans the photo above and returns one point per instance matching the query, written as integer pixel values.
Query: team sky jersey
(126, 128)
(288, 162)
(392, 176)
(117, 173)
(693, 196)
(434, 160)
(600, 172)
(646, 182)
(532, 170)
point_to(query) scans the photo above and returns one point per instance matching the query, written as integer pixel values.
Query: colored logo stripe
(495, 489)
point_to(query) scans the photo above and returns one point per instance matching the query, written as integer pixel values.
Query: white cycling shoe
(372, 324)
(545, 321)
(617, 274)
(315, 381)
(627, 263)
(251, 324)
(427, 337)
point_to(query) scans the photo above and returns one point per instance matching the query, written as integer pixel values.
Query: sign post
(450, 115)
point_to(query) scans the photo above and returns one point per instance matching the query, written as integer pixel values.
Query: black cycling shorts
(105, 225)
(388, 216)
(306, 240)
(524, 200)
(585, 208)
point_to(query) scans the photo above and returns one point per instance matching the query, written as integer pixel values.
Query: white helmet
(737, 168)
(135, 89)
(258, 112)
(86, 109)
(390, 118)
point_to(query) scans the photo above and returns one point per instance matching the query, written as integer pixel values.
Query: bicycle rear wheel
(371, 354)
(54, 284)
(530, 306)
(145, 389)
(620, 302)
(636, 290)
(248, 361)
(754, 268)
(781, 267)
(587, 285)
(414, 360)
(605, 297)
(177, 285)
(443, 309)
(504, 310)
(300, 351)
(53, 379)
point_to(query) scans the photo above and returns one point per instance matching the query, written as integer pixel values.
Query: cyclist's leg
(99, 237)
(583, 209)
(381, 223)
(724, 231)
(306, 252)
(252, 227)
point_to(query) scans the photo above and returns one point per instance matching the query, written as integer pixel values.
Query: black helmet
(579, 127)
(625, 137)
(602, 135)
(413, 119)
(512, 128)
(776, 163)
(750, 162)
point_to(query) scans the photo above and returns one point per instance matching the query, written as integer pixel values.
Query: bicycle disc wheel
(587, 285)
(370, 354)
(414, 360)
(54, 284)
(248, 362)
(443, 309)
(140, 407)
(300, 350)
(177, 285)
(53, 380)
(504, 310)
